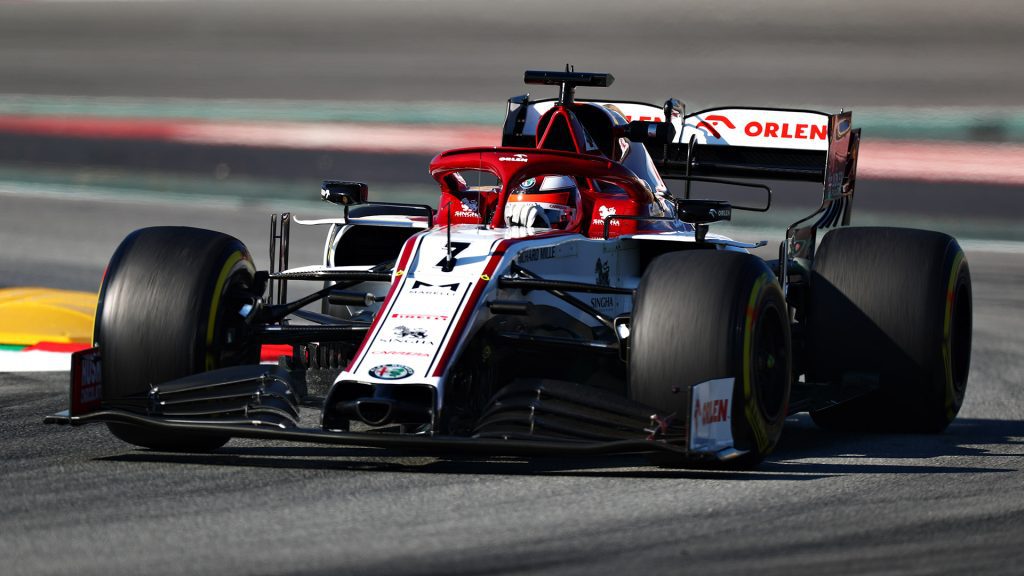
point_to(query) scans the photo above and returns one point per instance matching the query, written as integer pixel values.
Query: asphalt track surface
(785, 52)
(79, 501)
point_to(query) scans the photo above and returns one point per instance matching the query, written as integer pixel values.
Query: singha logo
(605, 212)
(415, 333)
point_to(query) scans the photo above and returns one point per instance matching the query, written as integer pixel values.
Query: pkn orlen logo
(711, 121)
(390, 372)
(757, 129)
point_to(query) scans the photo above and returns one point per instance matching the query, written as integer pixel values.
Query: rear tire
(892, 304)
(164, 313)
(704, 315)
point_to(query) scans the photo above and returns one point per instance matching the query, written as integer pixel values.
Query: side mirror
(703, 211)
(343, 193)
(653, 132)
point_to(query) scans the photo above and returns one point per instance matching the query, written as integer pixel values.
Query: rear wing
(771, 143)
(732, 142)
(738, 142)
(747, 143)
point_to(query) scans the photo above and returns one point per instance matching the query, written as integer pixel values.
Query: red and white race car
(561, 299)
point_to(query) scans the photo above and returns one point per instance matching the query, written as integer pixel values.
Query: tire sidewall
(696, 317)
(757, 426)
(894, 303)
(161, 316)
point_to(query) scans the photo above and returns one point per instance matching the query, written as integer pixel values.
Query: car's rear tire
(892, 305)
(705, 315)
(165, 312)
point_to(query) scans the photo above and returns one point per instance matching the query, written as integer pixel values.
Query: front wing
(258, 402)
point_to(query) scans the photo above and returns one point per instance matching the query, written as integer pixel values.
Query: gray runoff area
(782, 53)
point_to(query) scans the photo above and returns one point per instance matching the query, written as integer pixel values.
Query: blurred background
(121, 114)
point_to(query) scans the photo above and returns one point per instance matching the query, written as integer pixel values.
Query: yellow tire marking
(750, 405)
(218, 289)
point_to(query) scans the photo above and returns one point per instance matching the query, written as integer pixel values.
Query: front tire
(892, 305)
(705, 315)
(166, 310)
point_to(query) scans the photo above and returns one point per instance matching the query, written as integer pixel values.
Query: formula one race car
(560, 300)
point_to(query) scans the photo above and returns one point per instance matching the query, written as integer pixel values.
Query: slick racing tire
(892, 307)
(165, 311)
(706, 315)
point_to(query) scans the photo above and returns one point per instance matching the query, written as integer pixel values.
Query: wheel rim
(771, 373)
(232, 344)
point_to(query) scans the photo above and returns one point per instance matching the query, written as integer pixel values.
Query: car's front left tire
(168, 308)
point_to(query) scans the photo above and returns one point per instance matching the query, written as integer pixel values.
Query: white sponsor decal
(535, 254)
(437, 317)
(711, 416)
(605, 212)
(761, 128)
(514, 158)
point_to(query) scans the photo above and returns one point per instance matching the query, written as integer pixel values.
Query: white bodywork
(430, 315)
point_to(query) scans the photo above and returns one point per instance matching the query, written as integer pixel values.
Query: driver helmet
(557, 196)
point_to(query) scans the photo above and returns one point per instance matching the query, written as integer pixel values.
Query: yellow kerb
(32, 315)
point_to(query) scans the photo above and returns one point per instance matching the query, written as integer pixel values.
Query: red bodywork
(514, 165)
(563, 148)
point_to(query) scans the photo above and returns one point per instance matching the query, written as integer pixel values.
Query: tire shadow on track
(974, 438)
(331, 459)
(797, 457)
(377, 460)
